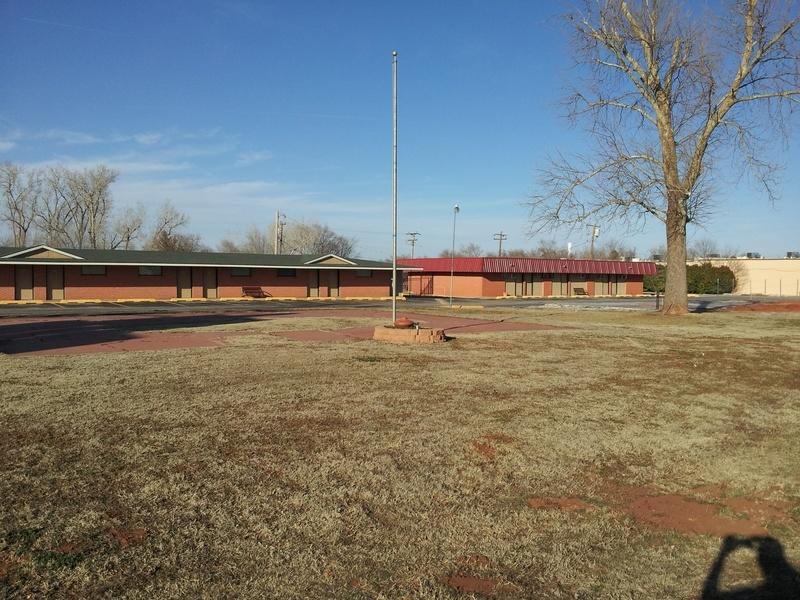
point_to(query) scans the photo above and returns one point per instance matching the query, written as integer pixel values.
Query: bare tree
(21, 194)
(75, 207)
(549, 249)
(610, 250)
(127, 229)
(667, 93)
(54, 213)
(315, 239)
(470, 250)
(255, 242)
(703, 248)
(94, 202)
(167, 234)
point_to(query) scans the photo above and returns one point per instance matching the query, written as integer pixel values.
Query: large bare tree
(21, 192)
(75, 207)
(668, 92)
(168, 234)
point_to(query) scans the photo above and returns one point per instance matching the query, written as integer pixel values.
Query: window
(93, 270)
(147, 270)
(287, 272)
(240, 272)
(363, 273)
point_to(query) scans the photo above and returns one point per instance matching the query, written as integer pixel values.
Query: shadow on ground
(779, 579)
(93, 334)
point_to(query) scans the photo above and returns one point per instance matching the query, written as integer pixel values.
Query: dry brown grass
(272, 468)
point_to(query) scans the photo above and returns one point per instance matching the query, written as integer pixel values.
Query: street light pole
(394, 187)
(453, 253)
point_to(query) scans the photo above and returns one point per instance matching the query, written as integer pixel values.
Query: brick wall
(119, 282)
(6, 282)
(378, 284)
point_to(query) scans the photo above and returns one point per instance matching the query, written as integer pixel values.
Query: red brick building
(45, 273)
(537, 277)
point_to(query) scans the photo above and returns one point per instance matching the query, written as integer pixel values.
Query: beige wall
(770, 276)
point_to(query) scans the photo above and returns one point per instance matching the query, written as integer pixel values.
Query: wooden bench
(579, 291)
(253, 291)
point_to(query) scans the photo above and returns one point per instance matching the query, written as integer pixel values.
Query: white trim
(327, 256)
(355, 266)
(41, 247)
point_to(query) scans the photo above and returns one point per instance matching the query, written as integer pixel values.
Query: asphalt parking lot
(46, 309)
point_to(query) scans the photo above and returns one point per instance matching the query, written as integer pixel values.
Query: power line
(500, 237)
(412, 240)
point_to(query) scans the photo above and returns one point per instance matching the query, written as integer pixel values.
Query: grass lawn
(602, 460)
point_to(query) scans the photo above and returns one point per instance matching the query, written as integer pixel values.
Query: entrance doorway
(333, 283)
(210, 283)
(23, 282)
(184, 282)
(55, 282)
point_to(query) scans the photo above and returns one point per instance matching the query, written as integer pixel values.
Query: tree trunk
(676, 299)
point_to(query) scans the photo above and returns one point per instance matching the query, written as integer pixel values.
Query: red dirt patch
(129, 537)
(483, 445)
(484, 449)
(469, 584)
(779, 307)
(563, 504)
(695, 516)
(680, 514)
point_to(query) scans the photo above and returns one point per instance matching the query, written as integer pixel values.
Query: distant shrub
(700, 279)
(655, 283)
(708, 279)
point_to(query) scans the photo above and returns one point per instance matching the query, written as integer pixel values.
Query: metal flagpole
(394, 187)
(453, 253)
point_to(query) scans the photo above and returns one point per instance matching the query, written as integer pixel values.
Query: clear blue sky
(233, 109)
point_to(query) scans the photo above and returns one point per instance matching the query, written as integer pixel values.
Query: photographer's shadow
(780, 581)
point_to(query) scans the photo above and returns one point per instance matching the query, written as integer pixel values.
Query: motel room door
(313, 283)
(55, 282)
(514, 284)
(23, 282)
(601, 285)
(560, 285)
(184, 282)
(333, 283)
(210, 283)
(618, 285)
(533, 283)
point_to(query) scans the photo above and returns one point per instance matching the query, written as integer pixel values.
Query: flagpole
(394, 187)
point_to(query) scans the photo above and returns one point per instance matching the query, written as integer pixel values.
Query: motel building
(43, 273)
(492, 276)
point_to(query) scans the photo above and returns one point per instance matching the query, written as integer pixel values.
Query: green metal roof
(211, 259)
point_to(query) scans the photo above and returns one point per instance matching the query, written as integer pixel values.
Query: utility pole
(456, 208)
(412, 240)
(277, 232)
(595, 234)
(500, 237)
(394, 187)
